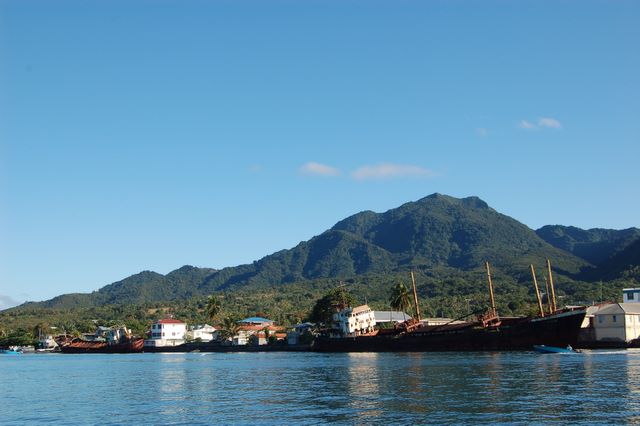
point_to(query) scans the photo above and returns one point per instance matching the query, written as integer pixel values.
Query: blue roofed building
(256, 321)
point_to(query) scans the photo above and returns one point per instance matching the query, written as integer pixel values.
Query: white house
(205, 333)
(354, 321)
(167, 332)
(631, 295)
(618, 322)
(241, 338)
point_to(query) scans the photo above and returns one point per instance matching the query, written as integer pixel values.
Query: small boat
(11, 351)
(543, 349)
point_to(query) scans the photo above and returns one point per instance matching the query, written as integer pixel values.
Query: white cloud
(543, 122)
(388, 170)
(317, 169)
(549, 122)
(481, 131)
(524, 124)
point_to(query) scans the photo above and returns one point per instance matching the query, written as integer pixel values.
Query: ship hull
(517, 334)
(84, 347)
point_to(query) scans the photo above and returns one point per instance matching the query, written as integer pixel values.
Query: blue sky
(151, 134)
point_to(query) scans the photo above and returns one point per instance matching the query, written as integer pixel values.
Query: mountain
(593, 245)
(146, 286)
(436, 231)
(623, 265)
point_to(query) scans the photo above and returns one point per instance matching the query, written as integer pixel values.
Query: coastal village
(608, 325)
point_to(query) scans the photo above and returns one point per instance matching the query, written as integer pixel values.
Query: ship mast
(535, 283)
(494, 312)
(546, 285)
(415, 296)
(553, 292)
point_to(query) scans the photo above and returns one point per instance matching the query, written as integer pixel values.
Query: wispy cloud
(7, 302)
(481, 131)
(524, 124)
(543, 122)
(549, 122)
(389, 170)
(317, 169)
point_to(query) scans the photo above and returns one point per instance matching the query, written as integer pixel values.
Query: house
(631, 295)
(390, 316)
(205, 333)
(258, 339)
(354, 321)
(294, 336)
(167, 332)
(241, 338)
(253, 325)
(617, 322)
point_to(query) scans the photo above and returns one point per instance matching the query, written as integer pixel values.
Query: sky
(146, 135)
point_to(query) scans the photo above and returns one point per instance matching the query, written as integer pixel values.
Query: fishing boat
(488, 332)
(105, 340)
(544, 349)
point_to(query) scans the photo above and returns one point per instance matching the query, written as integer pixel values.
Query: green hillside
(624, 265)
(593, 245)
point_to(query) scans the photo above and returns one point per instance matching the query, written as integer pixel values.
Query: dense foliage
(336, 299)
(594, 245)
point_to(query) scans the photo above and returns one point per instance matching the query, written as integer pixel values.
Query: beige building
(618, 322)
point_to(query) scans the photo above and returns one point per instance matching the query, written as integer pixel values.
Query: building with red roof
(166, 332)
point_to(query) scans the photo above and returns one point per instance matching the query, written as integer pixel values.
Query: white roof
(390, 316)
(619, 308)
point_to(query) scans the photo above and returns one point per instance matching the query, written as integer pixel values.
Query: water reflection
(363, 391)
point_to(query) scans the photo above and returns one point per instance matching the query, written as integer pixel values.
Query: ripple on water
(306, 388)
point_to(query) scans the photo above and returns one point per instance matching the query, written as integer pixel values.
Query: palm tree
(229, 327)
(399, 297)
(213, 307)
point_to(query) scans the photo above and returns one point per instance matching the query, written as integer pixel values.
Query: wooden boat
(543, 349)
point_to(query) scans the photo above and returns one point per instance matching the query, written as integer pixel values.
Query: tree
(399, 297)
(229, 327)
(213, 307)
(325, 307)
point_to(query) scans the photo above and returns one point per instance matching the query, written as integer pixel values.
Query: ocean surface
(595, 387)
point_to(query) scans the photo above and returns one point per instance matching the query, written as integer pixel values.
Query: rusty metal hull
(560, 330)
(84, 347)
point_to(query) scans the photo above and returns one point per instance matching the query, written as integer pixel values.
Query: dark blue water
(305, 388)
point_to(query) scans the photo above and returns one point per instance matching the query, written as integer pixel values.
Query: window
(630, 295)
(614, 318)
(600, 319)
